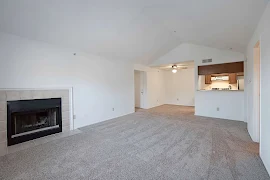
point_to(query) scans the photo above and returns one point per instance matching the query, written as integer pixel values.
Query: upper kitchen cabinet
(235, 67)
(233, 78)
(208, 79)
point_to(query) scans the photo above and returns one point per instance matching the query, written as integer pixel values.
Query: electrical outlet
(112, 109)
(217, 108)
(74, 116)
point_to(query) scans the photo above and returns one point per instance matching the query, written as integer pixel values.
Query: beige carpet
(167, 142)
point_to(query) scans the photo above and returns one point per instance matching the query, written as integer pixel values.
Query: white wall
(179, 87)
(164, 87)
(230, 104)
(154, 86)
(263, 26)
(261, 33)
(187, 52)
(98, 84)
(265, 99)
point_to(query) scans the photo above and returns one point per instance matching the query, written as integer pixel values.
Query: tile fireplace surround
(13, 95)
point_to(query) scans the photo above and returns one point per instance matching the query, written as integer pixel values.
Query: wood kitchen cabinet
(232, 78)
(208, 79)
(221, 68)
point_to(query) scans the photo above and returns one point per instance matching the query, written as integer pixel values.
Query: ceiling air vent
(207, 60)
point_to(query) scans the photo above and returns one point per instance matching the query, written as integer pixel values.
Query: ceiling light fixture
(174, 70)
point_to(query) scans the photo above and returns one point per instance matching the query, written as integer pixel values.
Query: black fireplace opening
(31, 119)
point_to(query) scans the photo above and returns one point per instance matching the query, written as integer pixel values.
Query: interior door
(139, 80)
(142, 89)
(137, 83)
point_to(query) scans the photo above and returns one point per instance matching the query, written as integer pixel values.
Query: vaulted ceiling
(133, 30)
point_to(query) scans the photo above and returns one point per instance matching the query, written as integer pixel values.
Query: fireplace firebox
(31, 119)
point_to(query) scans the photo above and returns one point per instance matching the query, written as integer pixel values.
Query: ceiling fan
(174, 68)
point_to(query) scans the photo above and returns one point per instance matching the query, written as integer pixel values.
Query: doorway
(257, 85)
(139, 85)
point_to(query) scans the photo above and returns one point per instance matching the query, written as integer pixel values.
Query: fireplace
(31, 119)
